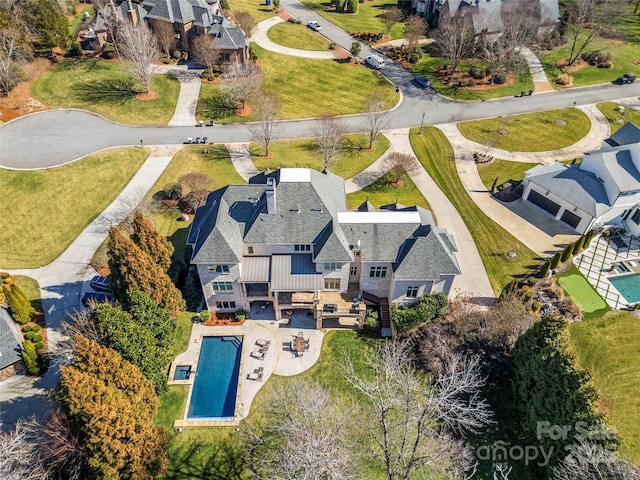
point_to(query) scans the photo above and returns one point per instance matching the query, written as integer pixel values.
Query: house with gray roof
(287, 239)
(603, 189)
(10, 346)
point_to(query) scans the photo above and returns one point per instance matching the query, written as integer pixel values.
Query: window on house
(219, 268)
(332, 284)
(378, 272)
(636, 217)
(225, 305)
(222, 286)
(225, 57)
(301, 247)
(250, 250)
(332, 265)
(412, 292)
(353, 271)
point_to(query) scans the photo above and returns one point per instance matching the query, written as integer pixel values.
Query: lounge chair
(259, 354)
(256, 374)
(263, 343)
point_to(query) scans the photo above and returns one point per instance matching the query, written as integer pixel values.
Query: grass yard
(297, 36)
(304, 153)
(608, 346)
(305, 88)
(531, 132)
(617, 119)
(31, 289)
(436, 155)
(382, 192)
(502, 171)
(256, 8)
(425, 67)
(104, 87)
(583, 293)
(49, 208)
(366, 20)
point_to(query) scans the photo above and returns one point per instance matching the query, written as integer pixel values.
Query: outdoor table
(298, 344)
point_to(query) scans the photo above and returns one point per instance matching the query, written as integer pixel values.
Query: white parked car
(375, 61)
(313, 25)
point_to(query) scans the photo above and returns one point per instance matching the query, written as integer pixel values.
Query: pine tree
(19, 305)
(111, 406)
(555, 261)
(566, 253)
(150, 241)
(544, 270)
(132, 269)
(577, 246)
(30, 358)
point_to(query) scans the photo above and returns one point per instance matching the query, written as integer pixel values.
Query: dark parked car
(100, 283)
(626, 78)
(95, 297)
(422, 82)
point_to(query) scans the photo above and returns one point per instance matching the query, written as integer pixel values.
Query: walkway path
(241, 159)
(259, 35)
(473, 279)
(540, 80)
(61, 284)
(190, 83)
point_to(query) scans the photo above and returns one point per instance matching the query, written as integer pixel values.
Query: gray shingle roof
(626, 135)
(488, 17)
(227, 37)
(425, 257)
(180, 11)
(9, 343)
(579, 188)
(620, 165)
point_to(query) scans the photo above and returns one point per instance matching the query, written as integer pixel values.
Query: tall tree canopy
(151, 241)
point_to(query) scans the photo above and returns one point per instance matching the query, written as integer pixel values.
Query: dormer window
(219, 268)
(302, 247)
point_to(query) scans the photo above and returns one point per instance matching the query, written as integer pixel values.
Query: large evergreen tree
(150, 241)
(133, 269)
(50, 22)
(111, 406)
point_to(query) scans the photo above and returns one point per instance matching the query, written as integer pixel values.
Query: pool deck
(598, 261)
(279, 359)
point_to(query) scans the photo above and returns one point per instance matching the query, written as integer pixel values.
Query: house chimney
(114, 11)
(133, 17)
(271, 196)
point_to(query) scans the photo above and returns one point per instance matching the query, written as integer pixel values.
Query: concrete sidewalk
(241, 159)
(190, 83)
(540, 80)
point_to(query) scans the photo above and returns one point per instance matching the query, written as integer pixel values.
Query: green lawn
(617, 119)
(105, 88)
(382, 192)
(305, 88)
(296, 35)
(501, 171)
(256, 8)
(436, 155)
(49, 208)
(366, 20)
(31, 289)
(609, 347)
(304, 153)
(531, 132)
(582, 292)
(430, 61)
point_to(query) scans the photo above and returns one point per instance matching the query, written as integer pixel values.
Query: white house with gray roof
(603, 189)
(287, 237)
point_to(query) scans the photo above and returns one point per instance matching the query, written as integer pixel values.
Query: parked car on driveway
(626, 78)
(375, 61)
(313, 25)
(100, 283)
(421, 81)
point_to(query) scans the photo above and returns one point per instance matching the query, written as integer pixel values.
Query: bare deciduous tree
(166, 37)
(10, 74)
(19, 458)
(414, 28)
(412, 421)
(589, 460)
(240, 81)
(587, 19)
(375, 115)
(205, 50)
(400, 163)
(329, 132)
(139, 49)
(455, 39)
(110, 22)
(246, 22)
(390, 17)
(80, 324)
(267, 126)
(302, 436)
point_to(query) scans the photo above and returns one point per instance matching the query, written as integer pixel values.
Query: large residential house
(189, 19)
(10, 346)
(485, 14)
(287, 238)
(603, 189)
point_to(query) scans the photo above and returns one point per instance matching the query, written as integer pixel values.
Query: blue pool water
(182, 372)
(628, 286)
(216, 379)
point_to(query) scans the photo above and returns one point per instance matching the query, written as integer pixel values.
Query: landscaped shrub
(531, 281)
(528, 296)
(544, 270)
(39, 346)
(240, 315)
(108, 51)
(36, 338)
(19, 306)
(577, 246)
(352, 6)
(333, 46)
(372, 321)
(166, 60)
(477, 73)
(566, 253)
(555, 261)
(604, 65)
(295, 21)
(426, 309)
(500, 78)
(35, 328)
(563, 79)
(30, 358)
(205, 74)
(75, 50)
(536, 306)
(191, 291)
(510, 288)
(29, 335)
(27, 328)
(177, 55)
(414, 58)
(205, 315)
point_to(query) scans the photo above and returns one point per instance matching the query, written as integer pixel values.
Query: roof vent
(298, 210)
(271, 195)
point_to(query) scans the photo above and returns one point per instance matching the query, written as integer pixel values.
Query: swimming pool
(182, 372)
(216, 379)
(628, 286)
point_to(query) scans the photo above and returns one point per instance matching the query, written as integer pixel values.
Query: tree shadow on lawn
(216, 107)
(200, 459)
(112, 91)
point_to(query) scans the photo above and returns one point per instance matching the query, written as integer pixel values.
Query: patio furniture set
(262, 350)
(299, 344)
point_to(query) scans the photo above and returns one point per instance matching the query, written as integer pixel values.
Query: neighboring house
(10, 346)
(604, 189)
(485, 14)
(287, 238)
(100, 31)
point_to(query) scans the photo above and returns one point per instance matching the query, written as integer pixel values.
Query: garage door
(571, 218)
(543, 202)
